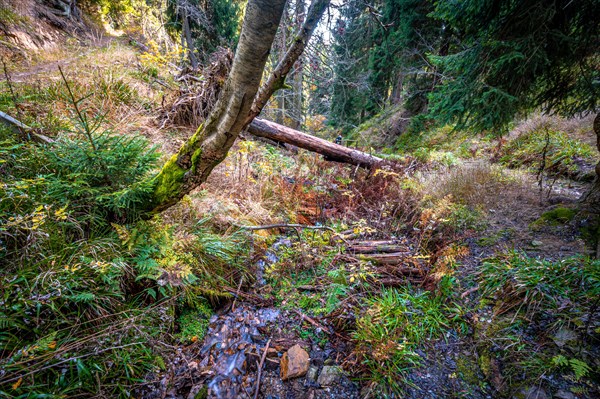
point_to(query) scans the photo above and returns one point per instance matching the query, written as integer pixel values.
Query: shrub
(537, 284)
(564, 155)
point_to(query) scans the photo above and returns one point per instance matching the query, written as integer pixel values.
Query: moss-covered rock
(193, 324)
(554, 217)
(559, 215)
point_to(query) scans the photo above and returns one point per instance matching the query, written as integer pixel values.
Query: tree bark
(194, 162)
(188, 39)
(591, 199)
(276, 80)
(297, 75)
(331, 151)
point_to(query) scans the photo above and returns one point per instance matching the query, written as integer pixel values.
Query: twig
(12, 92)
(260, 367)
(540, 173)
(312, 321)
(469, 291)
(237, 293)
(20, 128)
(310, 288)
(287, 225)
(80, 115)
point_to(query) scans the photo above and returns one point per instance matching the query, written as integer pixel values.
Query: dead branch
(260, 367)
(312, 321)
(21, 128)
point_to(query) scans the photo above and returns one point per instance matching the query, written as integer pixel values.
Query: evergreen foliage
(511, 57)
(212, 23)
(380, 49)
(85, 303)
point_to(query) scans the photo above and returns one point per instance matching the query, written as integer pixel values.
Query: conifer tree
(512, 57)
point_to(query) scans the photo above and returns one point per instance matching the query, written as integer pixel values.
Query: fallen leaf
(17, 384)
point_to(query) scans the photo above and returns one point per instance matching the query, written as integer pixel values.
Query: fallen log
(377, 248)
(331, 151)
(20, 128)
(386, 258)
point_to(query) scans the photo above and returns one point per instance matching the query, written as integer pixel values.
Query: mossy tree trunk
(194, 162)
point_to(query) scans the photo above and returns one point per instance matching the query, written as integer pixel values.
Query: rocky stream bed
(246, 343)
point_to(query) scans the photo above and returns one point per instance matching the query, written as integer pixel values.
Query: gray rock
(562, 394)
(329, 375)
(313, 373)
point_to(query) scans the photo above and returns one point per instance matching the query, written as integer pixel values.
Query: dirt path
(52, 66)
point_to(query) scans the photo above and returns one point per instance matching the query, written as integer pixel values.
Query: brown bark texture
(331, 151)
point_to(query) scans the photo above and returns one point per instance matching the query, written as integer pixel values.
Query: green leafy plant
(578, 367)
(390, 330)
(526, 293)
(557, 153)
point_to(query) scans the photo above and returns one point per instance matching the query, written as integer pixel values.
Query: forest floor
(454, 274)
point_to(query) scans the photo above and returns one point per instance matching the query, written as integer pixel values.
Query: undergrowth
(395, 323)
(92, 298)
(554, 152)
(543, 322)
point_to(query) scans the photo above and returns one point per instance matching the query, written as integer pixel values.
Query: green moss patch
(193, 323)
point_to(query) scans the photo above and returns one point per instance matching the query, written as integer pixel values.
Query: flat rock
(329, 375)
(531, 393)
(564, 336)
(294, 363)
(562, 394)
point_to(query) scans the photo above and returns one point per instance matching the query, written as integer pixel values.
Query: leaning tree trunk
(276, 79)
(591, 199)
(194, 162)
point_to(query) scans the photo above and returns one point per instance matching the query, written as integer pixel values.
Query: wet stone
(294, 363)
(564, 336)
(313, 373)
(562, 394)
(329, 375)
